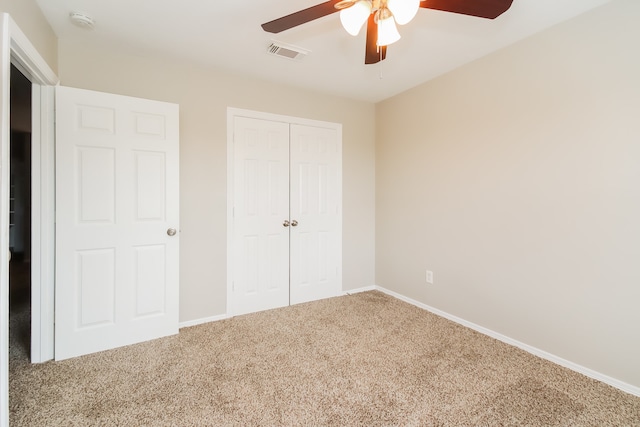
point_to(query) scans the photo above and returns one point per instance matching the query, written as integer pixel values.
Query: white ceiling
(227, 34)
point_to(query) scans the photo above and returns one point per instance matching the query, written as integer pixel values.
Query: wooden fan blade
(373, 53)
(301, 17)
(489, 9)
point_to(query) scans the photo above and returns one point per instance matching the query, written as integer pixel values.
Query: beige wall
(516, 179)
(204, 96)
(31, 21)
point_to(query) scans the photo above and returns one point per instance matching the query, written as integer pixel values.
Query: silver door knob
(294, 223)
(286, 223)
(171, 232)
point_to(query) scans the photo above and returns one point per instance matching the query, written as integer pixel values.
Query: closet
(286, 215)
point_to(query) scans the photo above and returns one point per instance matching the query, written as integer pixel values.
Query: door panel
(96, 281)
(315, 205)
(95, 185)
(150, 282)
(261, 242)
(149, 185)
(117, 195)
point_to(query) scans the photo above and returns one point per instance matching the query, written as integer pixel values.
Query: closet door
(315, 255)
(260, 248)
(286, 220)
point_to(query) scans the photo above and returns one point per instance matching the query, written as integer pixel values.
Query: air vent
(287, 51)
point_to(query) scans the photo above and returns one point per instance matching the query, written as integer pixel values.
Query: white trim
(231, 113)
(239, 112)
(204, 320)
(220, 317)
(36, 231)
(43, 230)
(359, 290)
(5, 64)
(628, 388)
(17, 49)
(27, 59)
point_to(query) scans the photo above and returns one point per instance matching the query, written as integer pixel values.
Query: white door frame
(16, 49)
(232, 113)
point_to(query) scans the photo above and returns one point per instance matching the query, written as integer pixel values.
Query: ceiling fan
(381, 17)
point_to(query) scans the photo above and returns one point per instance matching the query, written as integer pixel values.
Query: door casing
(16, 49)
(238, 112)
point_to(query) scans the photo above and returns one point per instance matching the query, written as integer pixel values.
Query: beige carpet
(361, 360)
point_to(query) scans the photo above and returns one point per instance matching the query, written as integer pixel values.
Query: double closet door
(286, 216)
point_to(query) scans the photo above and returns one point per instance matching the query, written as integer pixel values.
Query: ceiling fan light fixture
(354, 17)
(382, 16)
(387, 30)
(403, 10)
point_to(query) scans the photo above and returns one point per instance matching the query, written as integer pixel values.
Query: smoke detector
(81, 20)
(287, 51)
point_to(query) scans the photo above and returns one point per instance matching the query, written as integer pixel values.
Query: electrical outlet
(430, 277)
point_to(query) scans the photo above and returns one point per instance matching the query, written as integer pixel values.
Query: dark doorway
(20, 217)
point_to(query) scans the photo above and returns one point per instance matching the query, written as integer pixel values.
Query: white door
(315, 209)
(261, 236)
(286, 215)
(117, 213)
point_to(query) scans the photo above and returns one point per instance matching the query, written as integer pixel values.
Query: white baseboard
(358, 290)
(196, 322)
(627, 388)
